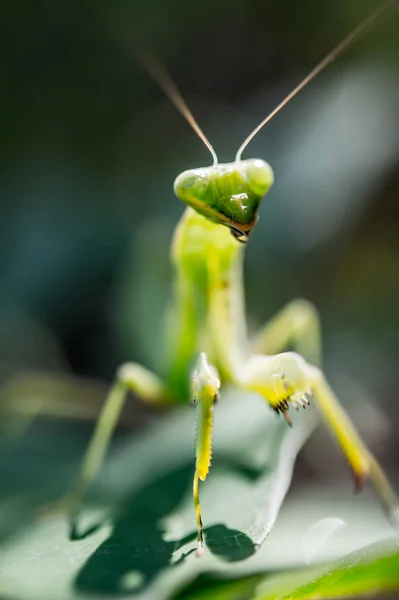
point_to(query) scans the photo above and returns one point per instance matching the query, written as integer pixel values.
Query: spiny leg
(129, 377)
(205, 389)
(283, 378)
(297, 324)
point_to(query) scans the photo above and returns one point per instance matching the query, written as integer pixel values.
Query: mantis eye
(259, 175)
(228, 194)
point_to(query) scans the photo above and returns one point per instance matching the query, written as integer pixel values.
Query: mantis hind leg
(129, 377)
(297, 324)
(205, 386)
(285, 379)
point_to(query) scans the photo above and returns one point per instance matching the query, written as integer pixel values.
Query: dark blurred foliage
(90, 147)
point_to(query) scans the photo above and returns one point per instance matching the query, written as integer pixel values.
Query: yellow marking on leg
(204, 438)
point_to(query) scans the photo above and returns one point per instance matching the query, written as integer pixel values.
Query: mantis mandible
(206, 322)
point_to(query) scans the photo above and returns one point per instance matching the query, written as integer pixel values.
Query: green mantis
(206, 332)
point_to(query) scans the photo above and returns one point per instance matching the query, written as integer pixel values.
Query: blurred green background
(90, 148)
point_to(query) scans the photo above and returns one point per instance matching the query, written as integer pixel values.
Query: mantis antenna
(337, 51)
(160, 75)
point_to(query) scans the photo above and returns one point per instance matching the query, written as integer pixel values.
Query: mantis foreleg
(205, 389)
(298, 324)
(286, 378)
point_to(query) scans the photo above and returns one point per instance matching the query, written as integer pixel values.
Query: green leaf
(238, 589)
(369, 572)
(138, 533)
(373, 570)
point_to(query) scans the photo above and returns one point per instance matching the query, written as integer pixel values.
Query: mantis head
(229, 194)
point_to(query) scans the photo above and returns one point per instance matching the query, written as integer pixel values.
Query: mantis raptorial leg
(207, 318)
(286, 379)
(205, 390)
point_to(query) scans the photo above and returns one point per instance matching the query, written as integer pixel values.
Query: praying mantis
(208, 344)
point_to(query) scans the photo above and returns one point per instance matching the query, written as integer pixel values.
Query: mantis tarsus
(206, 321)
